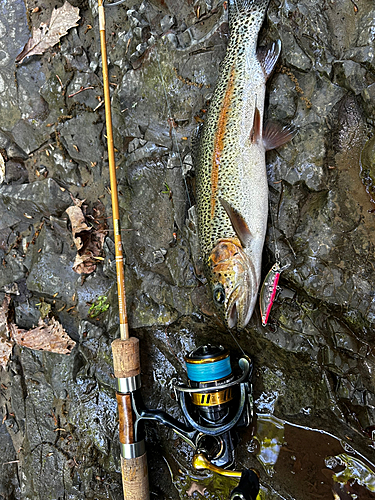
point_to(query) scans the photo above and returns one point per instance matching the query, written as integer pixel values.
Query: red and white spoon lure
(269, 290)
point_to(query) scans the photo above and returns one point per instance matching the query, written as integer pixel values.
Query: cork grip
(126, 357)
(135, 478)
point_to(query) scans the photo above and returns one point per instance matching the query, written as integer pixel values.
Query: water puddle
(310, 464)
(295, 462)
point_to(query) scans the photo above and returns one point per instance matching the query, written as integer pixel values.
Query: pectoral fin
(268, 56)
(238, 222)
(275, 136)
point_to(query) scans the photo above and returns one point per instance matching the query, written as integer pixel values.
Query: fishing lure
(269, 290)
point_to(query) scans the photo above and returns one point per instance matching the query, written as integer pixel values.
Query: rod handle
(135, 478)
(126, 362)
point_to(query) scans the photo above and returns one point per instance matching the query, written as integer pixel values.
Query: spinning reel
(214, 404)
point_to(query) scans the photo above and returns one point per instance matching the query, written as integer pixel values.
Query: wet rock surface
(314, 362)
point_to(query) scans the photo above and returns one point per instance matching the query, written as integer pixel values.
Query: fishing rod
(214, 403)
(125, 350)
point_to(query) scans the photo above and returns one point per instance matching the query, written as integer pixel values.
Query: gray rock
(28, 137)
(167, 22)
(293, 53)
(14, 34)
(13, 268)
(368, 95)
(87, 97)
(53, 274)
(82, 147)
(350, 75)
(40, 197)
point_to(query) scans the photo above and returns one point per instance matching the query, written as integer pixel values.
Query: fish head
(233, 282)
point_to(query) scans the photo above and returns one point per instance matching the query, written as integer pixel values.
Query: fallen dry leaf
(49, 337)
(6, 345)
(4, 313)
(44, 37)
(89, 240)
(2, 169)
(45, 337)
(83, 264)
(78, 222)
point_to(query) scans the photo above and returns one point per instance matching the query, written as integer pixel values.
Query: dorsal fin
(256, 128)
(268, 56)
(238, 222)
(274, 135)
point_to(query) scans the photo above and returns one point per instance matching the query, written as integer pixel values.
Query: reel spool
(208, 367)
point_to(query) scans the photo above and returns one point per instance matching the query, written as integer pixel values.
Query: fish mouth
(240, 308)
(232, 316)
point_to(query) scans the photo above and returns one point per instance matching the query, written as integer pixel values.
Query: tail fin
(249, 12)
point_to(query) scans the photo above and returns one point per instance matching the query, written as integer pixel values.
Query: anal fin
(268, 56)
(256, 128)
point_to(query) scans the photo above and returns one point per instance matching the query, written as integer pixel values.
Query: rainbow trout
(229, 158)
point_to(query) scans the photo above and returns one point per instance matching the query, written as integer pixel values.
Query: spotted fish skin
(231, 180)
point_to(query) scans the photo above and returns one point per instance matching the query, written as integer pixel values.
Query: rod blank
(125, 350)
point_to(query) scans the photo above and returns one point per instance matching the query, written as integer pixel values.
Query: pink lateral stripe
(272, 299)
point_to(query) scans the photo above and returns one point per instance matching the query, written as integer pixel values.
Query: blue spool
(208, 370)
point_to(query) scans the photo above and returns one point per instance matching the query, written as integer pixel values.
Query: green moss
(98, 307)
(44, 308)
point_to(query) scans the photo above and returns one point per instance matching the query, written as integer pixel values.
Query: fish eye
(219, 294)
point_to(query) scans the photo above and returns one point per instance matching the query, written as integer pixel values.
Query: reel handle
(248, 487)
(133, 455)
(201, 462)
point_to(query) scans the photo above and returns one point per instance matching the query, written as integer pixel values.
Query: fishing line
(208, 370)
(277, 253)
(236, 341)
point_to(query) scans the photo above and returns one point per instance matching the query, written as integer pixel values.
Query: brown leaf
(6, 345)
(78, 222)
(2, 169)
(88, 240)
(44, 37)
(77, 201)
(4, 312)
(51, 337)
(84, 264)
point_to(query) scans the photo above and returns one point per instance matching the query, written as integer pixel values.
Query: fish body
(229, 157)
